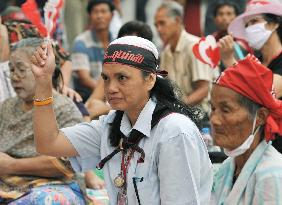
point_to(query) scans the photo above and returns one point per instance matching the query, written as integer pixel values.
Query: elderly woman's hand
(6, 162)
(226, 46)
(72, 94)
(43, 63)
(93, 181)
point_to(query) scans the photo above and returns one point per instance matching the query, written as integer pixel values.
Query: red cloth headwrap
(255, 81)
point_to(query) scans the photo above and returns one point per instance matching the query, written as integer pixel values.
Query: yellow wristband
(41, 102)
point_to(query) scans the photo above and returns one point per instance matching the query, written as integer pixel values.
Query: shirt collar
(143, 123)
(95, 38)
(110, 116)
(180, 45)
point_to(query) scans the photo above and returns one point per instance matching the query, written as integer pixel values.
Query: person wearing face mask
(244, 121)
(261, 26)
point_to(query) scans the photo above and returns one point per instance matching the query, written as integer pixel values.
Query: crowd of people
(116, 102)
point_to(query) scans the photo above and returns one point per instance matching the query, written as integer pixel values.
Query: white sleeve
(80, 61)
(268, 190)
(86, 139)
(180, 169)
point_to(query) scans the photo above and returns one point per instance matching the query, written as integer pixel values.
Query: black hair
(223, 3)
(137, 28)
(93, 3)
(168, 95)
(272, 18)
(3, 5)
(57, 78)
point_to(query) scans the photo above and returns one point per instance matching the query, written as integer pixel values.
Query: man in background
(191, 76)
(88, 49)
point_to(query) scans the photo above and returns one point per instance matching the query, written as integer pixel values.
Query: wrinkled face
(22, 78)
(166, 26)
(125, 87)
(101, 16)
(231, 123)
(224, 16)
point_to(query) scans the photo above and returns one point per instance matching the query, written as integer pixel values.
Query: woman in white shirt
(151, 149)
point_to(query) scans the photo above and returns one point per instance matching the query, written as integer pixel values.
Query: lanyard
(126, 157)
(124, 169)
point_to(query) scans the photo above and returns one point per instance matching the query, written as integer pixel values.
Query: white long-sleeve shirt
(177, 169)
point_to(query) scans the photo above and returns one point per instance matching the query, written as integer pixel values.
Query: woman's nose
(215, 118)
(112, 86)
(14, 76)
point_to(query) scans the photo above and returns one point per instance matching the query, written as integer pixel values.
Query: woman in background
(25, 176)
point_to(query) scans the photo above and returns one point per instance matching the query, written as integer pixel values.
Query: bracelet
(41, 102)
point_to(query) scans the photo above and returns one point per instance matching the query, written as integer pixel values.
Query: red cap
(255, 81)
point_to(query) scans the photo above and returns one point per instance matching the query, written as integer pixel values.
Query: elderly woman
(151, 150)
(14, 27)
(245, 116)
(25, 176)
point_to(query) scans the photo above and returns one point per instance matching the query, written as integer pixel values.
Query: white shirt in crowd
(6, 89)
(177, 169)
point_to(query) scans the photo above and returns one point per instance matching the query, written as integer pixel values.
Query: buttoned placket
(143, 124)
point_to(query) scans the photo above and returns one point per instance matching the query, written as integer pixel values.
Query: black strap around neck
(135, 136)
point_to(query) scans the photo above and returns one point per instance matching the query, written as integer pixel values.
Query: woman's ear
(262, 115)
(151, 80)
(273, 26)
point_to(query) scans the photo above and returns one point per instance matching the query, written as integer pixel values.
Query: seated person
(16, 27)
(245, 117)
(25, 176)
(89, 46)
(140, 153)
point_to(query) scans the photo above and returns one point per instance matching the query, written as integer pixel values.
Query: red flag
(31, 11)
(51, 14)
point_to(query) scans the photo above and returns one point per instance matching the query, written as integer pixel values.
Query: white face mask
(245, 145)
(257, 35)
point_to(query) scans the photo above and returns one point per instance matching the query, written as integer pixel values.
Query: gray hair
(250, 105)
(28, 45)
(252, 109)
(174, 9)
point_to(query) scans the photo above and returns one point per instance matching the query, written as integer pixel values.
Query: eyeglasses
(20, 72)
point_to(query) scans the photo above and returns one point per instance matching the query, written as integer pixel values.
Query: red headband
(254, 81)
